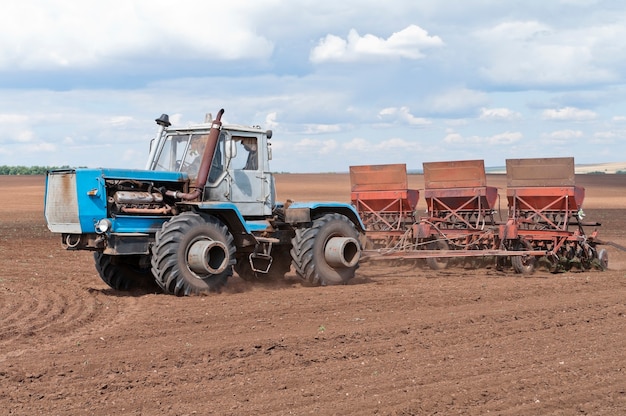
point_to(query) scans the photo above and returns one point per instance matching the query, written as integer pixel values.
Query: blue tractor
(204, 205)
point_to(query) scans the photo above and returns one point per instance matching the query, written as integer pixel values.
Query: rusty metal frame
(397, 207)
(456, 192)
(543, 204)
(472, 195)
(381, 196)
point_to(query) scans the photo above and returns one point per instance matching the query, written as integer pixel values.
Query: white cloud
(456, 100)
(358, 144)
(380, 147)
(608, 137)
(563, 136)
(91, 77)
(397, 144)
(38, 35)
(321, 128)
(120, 121)
(568, 114)
(533, 53)
(270, 120)
(328, 146)
(42, 147)
(453, 137)
(407, 43)
(12, 119)
(402, 115)
(499, 114)
(496, 140)
(176, 119)
(25, 136)
(579, 2)
(132, 155)
(16, 128)
(312, 146)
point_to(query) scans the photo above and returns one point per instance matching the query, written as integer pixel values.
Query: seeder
(544, 218)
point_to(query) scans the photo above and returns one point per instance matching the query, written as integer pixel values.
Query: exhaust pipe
(205, 165)
(342, 252)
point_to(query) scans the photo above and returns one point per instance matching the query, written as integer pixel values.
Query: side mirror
(230, 148)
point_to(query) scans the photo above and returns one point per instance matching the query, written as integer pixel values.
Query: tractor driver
(196, 151)
(250, 145)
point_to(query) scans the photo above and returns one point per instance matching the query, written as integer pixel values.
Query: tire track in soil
(43, 316)
(517, 328)
(448, 350)
(428, 375)
(248, 365)
(40, 306)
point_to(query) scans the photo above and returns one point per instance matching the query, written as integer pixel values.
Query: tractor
(204, 206)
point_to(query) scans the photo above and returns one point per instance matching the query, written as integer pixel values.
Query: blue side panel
(137, 224)
(257, 226)
(143, 175)
(231, 215)
(90, 208)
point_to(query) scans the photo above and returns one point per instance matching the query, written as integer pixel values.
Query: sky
(340, 83)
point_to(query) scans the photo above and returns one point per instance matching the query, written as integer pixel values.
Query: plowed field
(400, 339)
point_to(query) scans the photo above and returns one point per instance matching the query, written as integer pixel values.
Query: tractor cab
(239, 169)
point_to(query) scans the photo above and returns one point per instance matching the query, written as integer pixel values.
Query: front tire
(172, 251)
(309, 244)
(125, 273)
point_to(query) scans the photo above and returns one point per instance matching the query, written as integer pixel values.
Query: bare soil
(398, 340)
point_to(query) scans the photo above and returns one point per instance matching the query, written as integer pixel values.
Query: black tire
(281, 264)
(307, 252)
(125, 273)
(169, 254)
(523, 264)
(438, 263)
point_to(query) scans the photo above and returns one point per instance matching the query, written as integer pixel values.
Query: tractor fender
(303, 212)
(229, 214)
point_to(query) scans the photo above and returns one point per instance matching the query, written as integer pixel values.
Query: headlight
(103, 225)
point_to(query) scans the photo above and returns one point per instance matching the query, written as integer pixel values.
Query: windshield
(183, 153)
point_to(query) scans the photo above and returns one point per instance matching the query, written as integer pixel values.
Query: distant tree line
(28, 170)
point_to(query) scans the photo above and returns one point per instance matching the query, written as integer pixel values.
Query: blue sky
(340, 82)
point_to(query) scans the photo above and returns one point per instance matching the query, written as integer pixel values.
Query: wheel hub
(342, 252)
(207, 257)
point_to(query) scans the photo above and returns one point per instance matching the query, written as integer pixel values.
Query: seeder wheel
(603, 259)
(523, 264)
(438, 263)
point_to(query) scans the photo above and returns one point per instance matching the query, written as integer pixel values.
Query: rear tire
(308, 247)
(171, 249)
(125, 273)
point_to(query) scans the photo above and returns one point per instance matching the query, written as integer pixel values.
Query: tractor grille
(61, 204)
